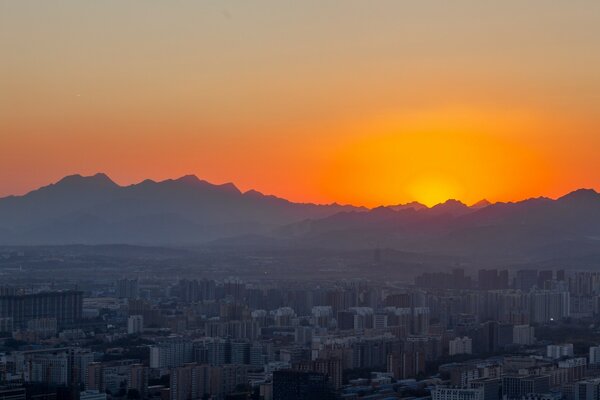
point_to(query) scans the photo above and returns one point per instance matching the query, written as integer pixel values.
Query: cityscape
(487, 334)
(299, 200)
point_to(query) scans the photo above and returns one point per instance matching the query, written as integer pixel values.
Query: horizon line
(252, 190)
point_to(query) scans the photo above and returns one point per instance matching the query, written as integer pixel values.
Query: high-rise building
(66, 306)
(331, 367)
(380, 321)
(587, 390)
(138, 379)
(523, 335)
(420, 323)
(127, 289)
(226, 378)
(556, 351)
(460, 346)
(240, 352)
(548, 305)
(594, 355)
(135, 324)
(172, 352)
(543, 278)
(406, 365)
(191, 381)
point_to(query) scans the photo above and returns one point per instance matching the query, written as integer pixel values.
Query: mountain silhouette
(191, 211)
(532, 229)
(94, 209)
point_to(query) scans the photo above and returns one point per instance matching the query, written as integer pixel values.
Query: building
(66, 306)
(517, 386)
(548, 305)
(460, 346)
(138, 379)
(226, 378)
(556, 351)
(523, 335)
(420, 322)
(55, 366)
(491, 387)
(573, 369)
(300, 385)
(135, 324)
(587, 389)
(191, 381)
(406, 365)
(443, 393)
(172, 352)
(331, 367)
(594, 355)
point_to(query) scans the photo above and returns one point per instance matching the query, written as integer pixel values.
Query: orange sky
(357, 102)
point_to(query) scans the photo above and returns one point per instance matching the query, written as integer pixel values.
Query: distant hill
(95, 210)
(190, 211)
(533, 229)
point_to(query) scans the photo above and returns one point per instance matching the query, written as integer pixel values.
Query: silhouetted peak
(414, 205)
(450, 203)
(255, 194)
(581, 195)
(189, 179)
(481, 204)
(229, 187)
(99, 179)
(194, 181)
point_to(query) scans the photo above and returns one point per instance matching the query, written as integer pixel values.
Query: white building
(380, 321)
(135, 324)
(556, 351)
(523, 335)
(595, 355)
(462, 345)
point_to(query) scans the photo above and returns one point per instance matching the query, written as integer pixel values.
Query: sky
(363, 102)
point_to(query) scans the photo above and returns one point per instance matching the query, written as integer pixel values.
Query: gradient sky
(365, 102)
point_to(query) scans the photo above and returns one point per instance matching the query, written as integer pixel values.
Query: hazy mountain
(480, 204)
(94, 209)
(534, 229)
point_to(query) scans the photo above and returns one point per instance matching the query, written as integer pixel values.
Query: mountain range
(191, 211)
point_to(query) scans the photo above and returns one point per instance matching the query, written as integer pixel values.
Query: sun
(433, 190)
(466, 155)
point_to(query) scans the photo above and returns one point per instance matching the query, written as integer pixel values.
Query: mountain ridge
(188, 210)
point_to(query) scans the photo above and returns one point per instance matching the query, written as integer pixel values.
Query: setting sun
(435, 156)
(432, 191)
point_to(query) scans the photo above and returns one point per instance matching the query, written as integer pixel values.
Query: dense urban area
(131, 323)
